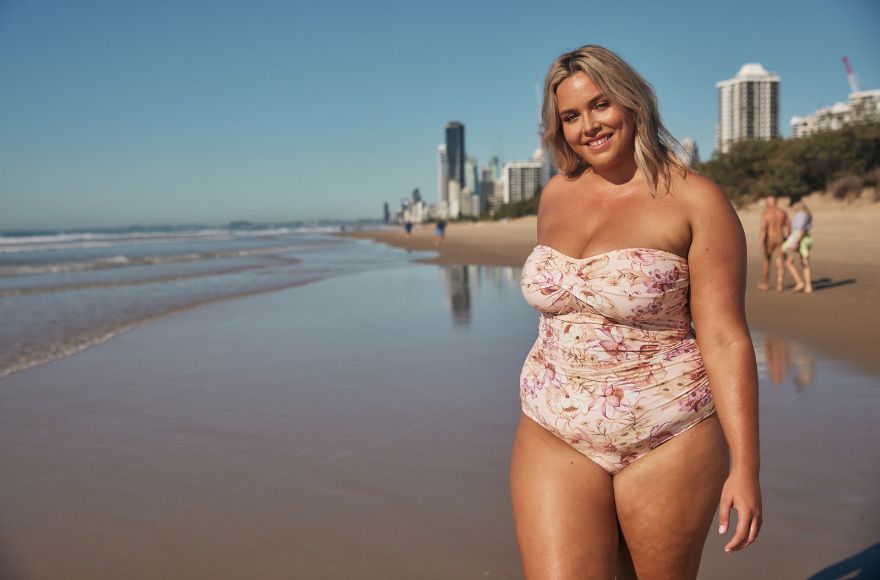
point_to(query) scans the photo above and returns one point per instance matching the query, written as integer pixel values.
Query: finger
(754, 529)
(723, 515)
(742, 532)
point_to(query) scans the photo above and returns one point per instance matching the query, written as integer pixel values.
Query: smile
(597, 143)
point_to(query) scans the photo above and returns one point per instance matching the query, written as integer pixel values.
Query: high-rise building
(863, 106)
(689, 152)
(487, 187)
(748, 107)
(471, 186)
(454, 203)
(455, 154)
(470, 173)
(522, 180)
(442, 175)
(548, 169)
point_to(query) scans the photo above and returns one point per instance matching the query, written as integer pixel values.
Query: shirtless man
(775, 227)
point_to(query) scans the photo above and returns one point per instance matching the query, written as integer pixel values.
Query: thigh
(563, 508)
(666, 501)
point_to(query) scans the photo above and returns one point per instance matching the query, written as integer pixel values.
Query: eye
(602, 105)
(569, 118)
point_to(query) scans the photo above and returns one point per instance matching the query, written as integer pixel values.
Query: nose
(591, 125)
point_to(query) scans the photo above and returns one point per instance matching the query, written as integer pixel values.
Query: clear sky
(113, 113)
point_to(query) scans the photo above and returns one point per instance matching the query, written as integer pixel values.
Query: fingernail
(727, 549)
(721, 529)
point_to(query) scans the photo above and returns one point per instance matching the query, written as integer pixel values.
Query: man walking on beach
(775, 227)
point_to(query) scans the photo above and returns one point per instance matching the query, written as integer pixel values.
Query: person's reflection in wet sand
(804, 366)
(780, 353)
(776, 358)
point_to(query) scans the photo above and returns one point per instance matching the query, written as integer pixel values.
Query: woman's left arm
(717, 262)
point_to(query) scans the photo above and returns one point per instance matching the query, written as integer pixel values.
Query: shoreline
(839, 318)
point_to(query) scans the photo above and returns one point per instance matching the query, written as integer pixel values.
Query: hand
(741, 492)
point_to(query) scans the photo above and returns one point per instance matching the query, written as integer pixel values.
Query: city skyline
(215, 112)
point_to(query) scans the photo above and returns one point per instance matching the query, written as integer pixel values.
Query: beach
(840, 318)
(358, 425)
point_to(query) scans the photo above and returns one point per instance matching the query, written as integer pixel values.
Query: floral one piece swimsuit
(615, 370)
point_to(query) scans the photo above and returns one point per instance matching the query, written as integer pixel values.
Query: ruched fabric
(615, 370)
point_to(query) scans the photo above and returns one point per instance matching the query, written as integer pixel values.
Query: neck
(619, 174)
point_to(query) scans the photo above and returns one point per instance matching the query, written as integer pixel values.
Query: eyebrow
(590, 103)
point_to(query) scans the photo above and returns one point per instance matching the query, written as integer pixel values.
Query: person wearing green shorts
(801, 242)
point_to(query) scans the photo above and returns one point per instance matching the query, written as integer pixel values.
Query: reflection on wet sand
(777, 356)
(461, 280)
(458, 294)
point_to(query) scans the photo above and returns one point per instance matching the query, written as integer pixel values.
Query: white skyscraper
(863, 106)
(689, 152)
(748, 107)
(521, 180)
(454, 190)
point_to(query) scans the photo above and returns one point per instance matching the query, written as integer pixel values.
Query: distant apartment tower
(521, 179)
(442, 175)
(748, 107)
(863, 106)
(455, 154)
(487, 187)
(689, 152)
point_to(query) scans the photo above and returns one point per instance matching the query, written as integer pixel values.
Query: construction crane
(850, 76)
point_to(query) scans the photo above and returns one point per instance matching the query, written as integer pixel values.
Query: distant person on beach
(775, 227)
(407, 227)
(634, 429)
(800, 242)
(439, 232)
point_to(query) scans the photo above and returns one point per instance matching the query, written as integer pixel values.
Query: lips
(598, 143)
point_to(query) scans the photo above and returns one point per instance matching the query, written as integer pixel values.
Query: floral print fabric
(615, 370)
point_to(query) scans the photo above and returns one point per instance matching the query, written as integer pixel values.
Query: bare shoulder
(555, 188)
(700, 197)
(557, 184)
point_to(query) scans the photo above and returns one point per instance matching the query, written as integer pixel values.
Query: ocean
(63, 291)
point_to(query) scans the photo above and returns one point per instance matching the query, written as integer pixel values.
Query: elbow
(724, 341)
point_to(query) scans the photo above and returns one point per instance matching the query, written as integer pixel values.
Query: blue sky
(113, 113)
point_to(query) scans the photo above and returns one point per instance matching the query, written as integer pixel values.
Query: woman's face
(597, 130)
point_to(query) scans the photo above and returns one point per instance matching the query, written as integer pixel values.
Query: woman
(620, 457)
(800, 242)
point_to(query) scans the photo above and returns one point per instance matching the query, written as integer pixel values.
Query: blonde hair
(655, 147)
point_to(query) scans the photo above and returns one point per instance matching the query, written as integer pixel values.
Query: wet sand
(360, 427)
(841, 317)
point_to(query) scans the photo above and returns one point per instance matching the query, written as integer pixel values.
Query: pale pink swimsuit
(615, 370)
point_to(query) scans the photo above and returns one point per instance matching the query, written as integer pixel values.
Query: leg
(666, 501)
(780, 271)
(563, 508)
(792, 269)
(765, 272)
(808, 274)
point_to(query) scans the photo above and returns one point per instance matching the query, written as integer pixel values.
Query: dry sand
(840, 318)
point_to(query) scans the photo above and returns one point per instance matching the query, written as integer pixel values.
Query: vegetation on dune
(518, 208)
(841, 163)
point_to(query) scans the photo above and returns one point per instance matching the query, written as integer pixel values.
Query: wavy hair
(655, 147)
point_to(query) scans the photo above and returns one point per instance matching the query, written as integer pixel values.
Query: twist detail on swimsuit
(615, 370)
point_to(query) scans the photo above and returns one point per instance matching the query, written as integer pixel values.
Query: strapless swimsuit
(615, 370)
